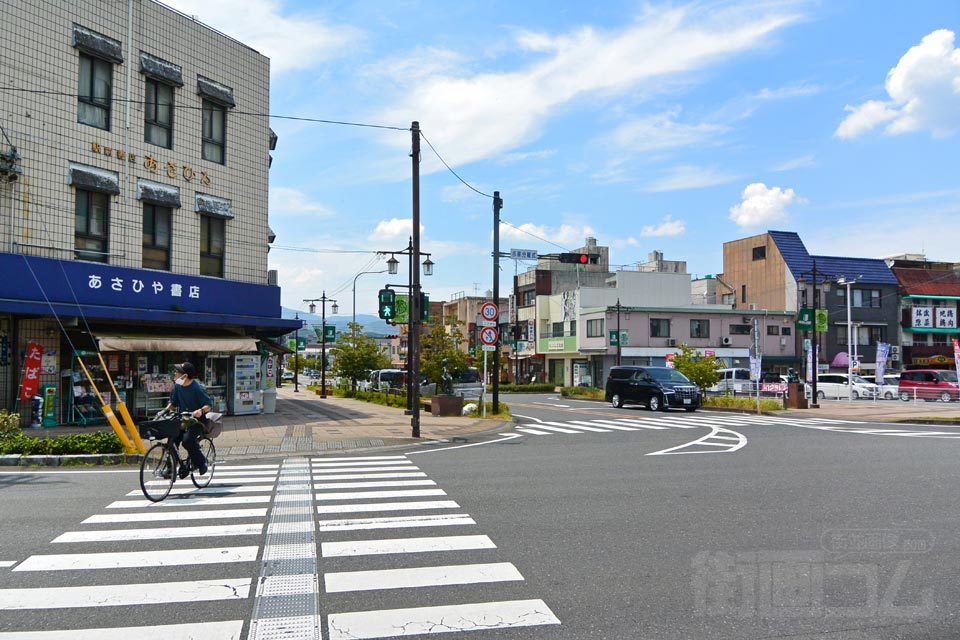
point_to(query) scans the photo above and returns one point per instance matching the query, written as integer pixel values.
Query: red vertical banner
(30, 384)
(956, 355)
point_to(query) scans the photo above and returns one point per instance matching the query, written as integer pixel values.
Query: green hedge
(526, 388)
(743, 402)
(96, 442)
(590, 393)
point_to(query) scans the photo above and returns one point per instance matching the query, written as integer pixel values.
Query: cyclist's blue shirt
(190, 397)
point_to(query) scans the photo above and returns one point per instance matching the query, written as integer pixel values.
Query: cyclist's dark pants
(189, 439)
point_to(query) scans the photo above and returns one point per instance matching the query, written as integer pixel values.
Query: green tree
(355, 355)
(441, 341)
(701, 371)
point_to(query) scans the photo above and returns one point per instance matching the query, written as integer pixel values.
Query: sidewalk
(305, 422)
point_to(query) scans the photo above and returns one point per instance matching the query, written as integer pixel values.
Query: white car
(288, 376)
(835, 386)
(890, 386)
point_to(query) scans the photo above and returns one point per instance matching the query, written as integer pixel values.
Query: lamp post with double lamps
(323, 300)
(414, 317)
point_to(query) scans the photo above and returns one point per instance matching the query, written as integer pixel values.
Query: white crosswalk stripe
(360, 508)
(336, 495)
(661, 422)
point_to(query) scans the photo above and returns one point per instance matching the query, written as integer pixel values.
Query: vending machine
(245, 395)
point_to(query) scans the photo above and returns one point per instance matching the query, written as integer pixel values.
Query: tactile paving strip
(287, 604)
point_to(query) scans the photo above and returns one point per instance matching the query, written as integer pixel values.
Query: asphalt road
(767, 528)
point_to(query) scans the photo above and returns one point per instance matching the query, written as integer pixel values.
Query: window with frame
(659, 328)
(214, 132)
(740, 329)
(158, 109)
(157, 222)
(699, 328)
(528, 297)
(865, 298)
(595, 328)
(212, 240)
(773, 330)
(573, 327)
(91, 226)
(743, 293)
(760, 253)
(785, 331)
(557, 330)
(95, 84)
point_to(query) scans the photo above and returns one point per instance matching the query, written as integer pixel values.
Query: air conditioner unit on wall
(754, 306)
(726, 341)
(671, 342)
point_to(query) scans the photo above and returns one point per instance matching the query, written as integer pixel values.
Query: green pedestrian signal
(387, 299)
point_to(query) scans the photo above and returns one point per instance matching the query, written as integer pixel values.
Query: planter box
(446, 405)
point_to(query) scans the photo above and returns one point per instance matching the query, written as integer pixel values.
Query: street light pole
(296, 355)
(323, 300)
(851, 342)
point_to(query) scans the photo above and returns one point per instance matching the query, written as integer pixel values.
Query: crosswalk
(721, 422)
(328, 548)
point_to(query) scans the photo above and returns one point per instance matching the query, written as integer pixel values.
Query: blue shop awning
(269, 326)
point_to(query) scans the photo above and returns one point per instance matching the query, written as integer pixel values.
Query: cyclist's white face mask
(179, 380)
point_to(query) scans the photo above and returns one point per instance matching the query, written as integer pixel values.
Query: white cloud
(511, 158)
(801, 162)
(567, 235)
(471, 117)
(291, 41)
(690, 177)
(761, 205)
(668, 227)
(285, 200)
(661, 131)
(924, 90)
(393, 229)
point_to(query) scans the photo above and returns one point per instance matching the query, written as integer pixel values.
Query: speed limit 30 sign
(489, 311)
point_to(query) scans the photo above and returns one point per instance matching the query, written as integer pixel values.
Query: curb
(69, 460)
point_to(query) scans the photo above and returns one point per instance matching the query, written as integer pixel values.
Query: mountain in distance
(372, 325)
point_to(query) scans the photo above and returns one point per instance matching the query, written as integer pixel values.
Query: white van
(835, 386)
(733, 381)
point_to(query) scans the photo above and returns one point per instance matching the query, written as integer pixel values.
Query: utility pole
(619, 335)
(815, 357)
(413, 340)
(497, 204)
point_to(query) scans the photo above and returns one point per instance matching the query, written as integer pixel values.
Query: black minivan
(657, 387)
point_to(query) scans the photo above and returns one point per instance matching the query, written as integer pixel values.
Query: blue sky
(647, 125)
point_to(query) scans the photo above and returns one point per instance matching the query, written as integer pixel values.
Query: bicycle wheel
(210, 453)
(157, 472)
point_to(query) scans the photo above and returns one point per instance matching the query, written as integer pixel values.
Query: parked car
(929, 385)
(657, 387)
(288, 376)
(469, 383)
(889, 386)
(836, 385)
(733, 380)
(385, 379)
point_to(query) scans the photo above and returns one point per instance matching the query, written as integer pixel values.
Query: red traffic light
(579, 258)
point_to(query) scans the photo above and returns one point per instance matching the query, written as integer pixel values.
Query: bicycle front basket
(160, 429)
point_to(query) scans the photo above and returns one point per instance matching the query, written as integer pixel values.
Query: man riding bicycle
(190, 395)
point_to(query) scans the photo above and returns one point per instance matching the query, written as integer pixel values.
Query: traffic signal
(387, 299)
(579, 258)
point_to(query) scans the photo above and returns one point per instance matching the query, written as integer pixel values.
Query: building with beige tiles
(134, 173)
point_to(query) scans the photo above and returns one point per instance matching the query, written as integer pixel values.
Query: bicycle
(163, 464)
